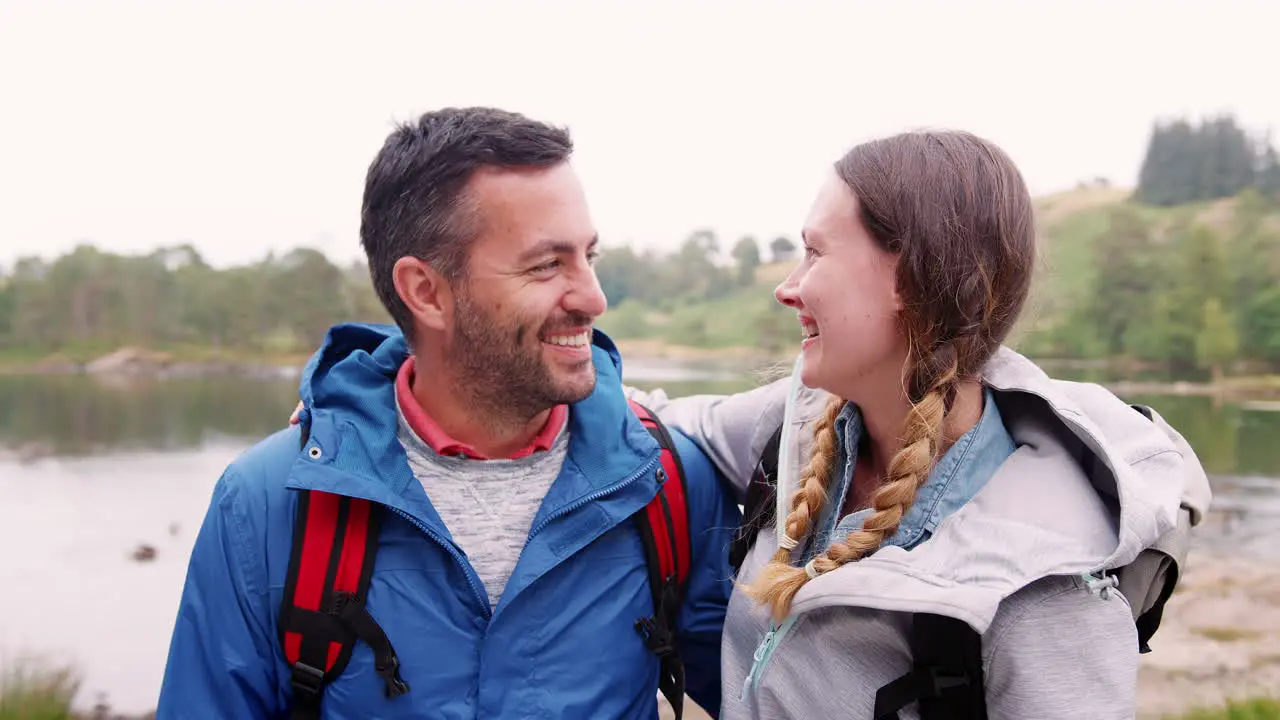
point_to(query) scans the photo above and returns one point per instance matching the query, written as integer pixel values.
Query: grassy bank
(19, 360)
(731, 353)
(1259, 387)
(33, 691)
(1259, 709)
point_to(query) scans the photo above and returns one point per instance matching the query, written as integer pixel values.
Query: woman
(931, 479)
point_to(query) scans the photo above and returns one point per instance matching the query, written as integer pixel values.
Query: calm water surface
(90, 470)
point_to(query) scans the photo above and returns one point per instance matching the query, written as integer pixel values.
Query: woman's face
(845, 294)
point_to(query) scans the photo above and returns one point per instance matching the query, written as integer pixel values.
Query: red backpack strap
(664, 531)
(323, 612)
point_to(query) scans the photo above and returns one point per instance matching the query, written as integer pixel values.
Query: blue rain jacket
(560, 644)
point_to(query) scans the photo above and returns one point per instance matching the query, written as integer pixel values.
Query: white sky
(247, 126)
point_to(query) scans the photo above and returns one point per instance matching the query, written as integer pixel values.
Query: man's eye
(547, 266)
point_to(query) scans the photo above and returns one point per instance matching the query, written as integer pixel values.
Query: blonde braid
(908, 471)
(921, 439)
(806, 503)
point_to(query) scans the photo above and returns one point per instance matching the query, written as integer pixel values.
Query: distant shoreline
(1262, 390)
(148, 363)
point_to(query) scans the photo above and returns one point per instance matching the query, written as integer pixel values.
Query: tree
(315, 299)
(1262, 329)
(32, 322)
(623, 274)
(1227, 159)
(1268, 177)
(1253, 258)
(747, 255)
(1170, 172)
(361, 297)
(1186, 163)
(1126, 276)
(1205, 262)
(1217, 343)
(1199, 274)
(782, 249)
(7, 305)
(695, 270)
(702, 245)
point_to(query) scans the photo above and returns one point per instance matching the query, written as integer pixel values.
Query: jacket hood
(1093, 483)
(348, 392)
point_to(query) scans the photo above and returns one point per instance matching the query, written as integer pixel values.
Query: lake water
(91, 469)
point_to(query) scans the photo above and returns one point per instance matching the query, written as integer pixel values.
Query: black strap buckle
(656, 629)
(656, 636)
(389, 670)
(923, 683)
(306, 679)
(933, 681)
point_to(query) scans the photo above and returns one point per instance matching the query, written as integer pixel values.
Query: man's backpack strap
(664, 531)
(759, 510)
(323, 613)
(946, 676)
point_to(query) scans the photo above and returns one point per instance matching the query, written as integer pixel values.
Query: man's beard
(502, 369)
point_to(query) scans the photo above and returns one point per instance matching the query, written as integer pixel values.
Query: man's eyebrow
(554, 247)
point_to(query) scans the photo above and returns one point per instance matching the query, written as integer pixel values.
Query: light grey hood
(1093, 483)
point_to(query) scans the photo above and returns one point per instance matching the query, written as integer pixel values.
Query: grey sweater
(487, 505)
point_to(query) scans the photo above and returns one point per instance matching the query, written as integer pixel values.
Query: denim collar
(963, 470)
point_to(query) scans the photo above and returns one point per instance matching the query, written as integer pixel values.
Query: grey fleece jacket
(1092, 485)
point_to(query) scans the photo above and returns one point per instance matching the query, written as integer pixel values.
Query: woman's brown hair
(956, 211)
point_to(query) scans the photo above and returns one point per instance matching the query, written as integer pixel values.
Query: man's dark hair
(414, 199)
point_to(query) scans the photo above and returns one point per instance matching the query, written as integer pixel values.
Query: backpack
(946, 677)
(335, 543)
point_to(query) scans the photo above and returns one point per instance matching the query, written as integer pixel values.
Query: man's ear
(424, 290)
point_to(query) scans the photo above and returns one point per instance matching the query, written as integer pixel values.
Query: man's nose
(586, 296)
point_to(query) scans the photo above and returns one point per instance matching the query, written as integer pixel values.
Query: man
(493, 429)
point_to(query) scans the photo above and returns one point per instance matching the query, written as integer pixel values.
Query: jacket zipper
(560, 513)
(646, 468)
(592, 498)
(475, 589)
(763, 654)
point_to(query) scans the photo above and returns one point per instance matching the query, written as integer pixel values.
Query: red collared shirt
(434, 436)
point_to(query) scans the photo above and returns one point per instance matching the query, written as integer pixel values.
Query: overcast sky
(247, 126)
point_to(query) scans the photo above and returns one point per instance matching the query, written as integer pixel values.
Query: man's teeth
(581, 338)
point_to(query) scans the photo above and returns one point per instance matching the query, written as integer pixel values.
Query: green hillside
(746, 319)
(1191, 285)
